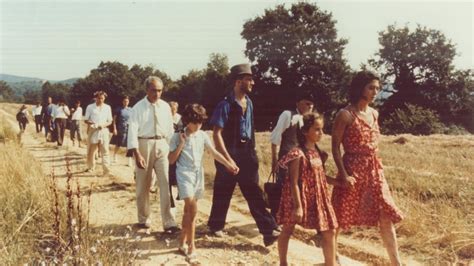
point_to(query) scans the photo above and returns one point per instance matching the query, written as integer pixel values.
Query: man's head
(50, 100)
(100, 97)
(241, 76)
(77, 103)
(174, 107)
(305, 102)
(154, 88)
(125, 101)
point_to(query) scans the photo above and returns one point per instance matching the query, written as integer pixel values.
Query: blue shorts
(190, 183)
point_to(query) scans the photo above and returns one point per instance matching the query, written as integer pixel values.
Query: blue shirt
(193, 150)
(123, 115)
(221, 115)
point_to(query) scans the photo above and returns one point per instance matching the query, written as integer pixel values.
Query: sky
(57, 40)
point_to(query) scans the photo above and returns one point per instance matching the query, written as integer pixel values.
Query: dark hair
(125, 98)
(193, 113)
(99, 93)
(308, 121)
(78, 102)
(359, 81)
(305, 95)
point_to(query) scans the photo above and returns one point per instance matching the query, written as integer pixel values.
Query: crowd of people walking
(156, 136)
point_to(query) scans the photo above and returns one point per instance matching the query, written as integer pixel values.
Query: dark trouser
(75, 129)
(22, 125)
(247, 179)
(39, 125)
(60, 128)
(47, 125)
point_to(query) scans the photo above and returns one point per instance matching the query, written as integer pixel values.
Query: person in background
(98, 117)
(47, 119)
(36, 112)
(284, 136)
(177, 123)
(22, 118)
(76, 120)
(60, 116)
(120, 128)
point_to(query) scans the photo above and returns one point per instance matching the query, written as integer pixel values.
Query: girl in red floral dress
(364, 197)
(305, 198)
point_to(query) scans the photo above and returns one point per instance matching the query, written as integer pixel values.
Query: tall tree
(292, 50)
(419, 63)
(6, 92)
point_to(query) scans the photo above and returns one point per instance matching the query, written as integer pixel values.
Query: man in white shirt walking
(76, 119)
(36, 112)
(60, 115)
(98, 118)
(149, 129)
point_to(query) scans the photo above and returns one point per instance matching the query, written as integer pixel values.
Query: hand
(348, 181)
(182, 138)
(297, 215)
(141, 163)
(115, 132)
(233, 169)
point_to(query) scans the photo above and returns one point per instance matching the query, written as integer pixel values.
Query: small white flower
(93, 249)
(73, 222)
(48, 249)
(77, 247)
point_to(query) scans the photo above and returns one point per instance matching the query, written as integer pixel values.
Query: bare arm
(294, 172)
(343, 119)
(174, 155)
(220, 158)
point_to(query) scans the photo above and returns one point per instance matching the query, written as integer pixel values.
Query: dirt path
(113, 211)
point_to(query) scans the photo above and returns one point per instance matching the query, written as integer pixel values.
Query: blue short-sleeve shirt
(221, 116)
(123, 115)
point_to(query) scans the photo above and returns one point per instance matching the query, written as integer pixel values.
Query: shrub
(412, 119)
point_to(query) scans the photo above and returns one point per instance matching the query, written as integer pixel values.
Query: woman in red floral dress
(305, 198)
(364, 199)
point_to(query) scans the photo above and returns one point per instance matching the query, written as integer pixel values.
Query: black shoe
(278, 229)
(172, 230)
(269, 239)
(143, 225)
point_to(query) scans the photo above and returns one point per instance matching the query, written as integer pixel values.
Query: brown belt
(154, 137)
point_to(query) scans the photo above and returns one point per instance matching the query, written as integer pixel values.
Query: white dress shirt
(149, 120)
(36, 110)
(99, 115)
(77, 115)
(284, 122)
(61, 112)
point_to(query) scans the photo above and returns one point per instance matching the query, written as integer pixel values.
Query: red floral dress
(370, 196)
(318, 212)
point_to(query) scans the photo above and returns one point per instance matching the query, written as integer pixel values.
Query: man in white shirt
(150, 128)
(36, 112)
(284, 135)
(98, 118)
(60, 115)
(76, 119)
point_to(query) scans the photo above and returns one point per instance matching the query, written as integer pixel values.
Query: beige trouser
(155, 153)
(104, 149)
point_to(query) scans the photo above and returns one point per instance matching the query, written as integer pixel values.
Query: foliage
(6, 92)
(412, 119)
(56, 91)
(293, 50)
(419, 63)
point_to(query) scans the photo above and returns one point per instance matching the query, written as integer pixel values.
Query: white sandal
(192, 258)
(183, 250)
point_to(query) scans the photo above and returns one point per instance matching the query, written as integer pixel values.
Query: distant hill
(21, 84)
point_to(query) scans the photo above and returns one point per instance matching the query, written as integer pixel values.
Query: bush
(412, 119)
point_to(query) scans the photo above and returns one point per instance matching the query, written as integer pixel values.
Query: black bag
(272, 191)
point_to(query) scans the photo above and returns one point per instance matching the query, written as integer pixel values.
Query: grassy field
(432, 181)
(40, 223)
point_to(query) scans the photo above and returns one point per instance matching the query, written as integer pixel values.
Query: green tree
(32, 96)
(56, 91)
(292, 50)
(419, 63)
(6, 92)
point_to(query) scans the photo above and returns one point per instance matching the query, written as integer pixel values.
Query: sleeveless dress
(370, 196)
(318, 212)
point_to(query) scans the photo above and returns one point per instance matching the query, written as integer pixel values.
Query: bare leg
(389, 237)
(283, 242)
(329, 247)
(192, 211)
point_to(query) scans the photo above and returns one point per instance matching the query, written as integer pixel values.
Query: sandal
(183, 250)
(192, 258)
